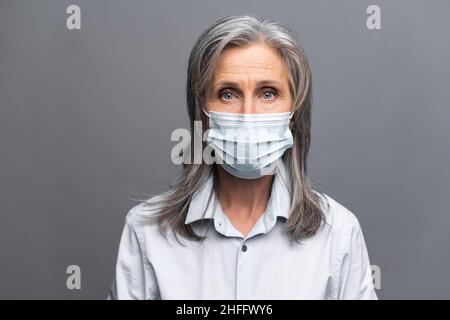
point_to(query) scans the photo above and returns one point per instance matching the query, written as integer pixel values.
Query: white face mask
(249, 146)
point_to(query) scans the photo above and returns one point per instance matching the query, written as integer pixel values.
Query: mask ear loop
(205, 112)
(209, 116)
(292, 114)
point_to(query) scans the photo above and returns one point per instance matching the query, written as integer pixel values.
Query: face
(249, 79)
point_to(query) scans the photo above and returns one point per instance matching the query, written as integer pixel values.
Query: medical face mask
(249, 146)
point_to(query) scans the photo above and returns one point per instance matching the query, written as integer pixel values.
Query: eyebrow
(235, 85)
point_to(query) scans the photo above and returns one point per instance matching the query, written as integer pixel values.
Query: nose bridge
(249, 101)
(248, 105)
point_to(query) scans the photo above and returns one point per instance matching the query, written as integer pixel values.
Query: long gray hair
(306, 211)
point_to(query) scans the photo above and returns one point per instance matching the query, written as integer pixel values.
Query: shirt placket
(243, 268)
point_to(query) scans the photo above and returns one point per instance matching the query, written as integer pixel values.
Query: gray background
(86, 118)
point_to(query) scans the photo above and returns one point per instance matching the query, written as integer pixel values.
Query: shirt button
(244, 248)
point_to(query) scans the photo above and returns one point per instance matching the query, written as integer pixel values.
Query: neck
(243, 200)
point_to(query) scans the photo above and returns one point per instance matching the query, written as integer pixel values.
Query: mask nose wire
(209, 116)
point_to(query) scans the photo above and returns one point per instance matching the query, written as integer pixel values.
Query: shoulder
(141, 215)
(338, 217)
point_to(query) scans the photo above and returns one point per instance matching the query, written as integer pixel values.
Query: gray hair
(306, 212)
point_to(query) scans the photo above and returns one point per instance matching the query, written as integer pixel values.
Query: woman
(250, 225)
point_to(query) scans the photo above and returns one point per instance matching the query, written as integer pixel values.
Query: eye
(269, 94)
(226, 95)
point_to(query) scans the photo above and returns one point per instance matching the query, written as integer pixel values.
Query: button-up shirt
(265, 264)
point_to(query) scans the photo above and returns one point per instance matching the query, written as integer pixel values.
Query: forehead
(255, 61)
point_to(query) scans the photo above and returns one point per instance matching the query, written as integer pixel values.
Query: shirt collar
(203, 202)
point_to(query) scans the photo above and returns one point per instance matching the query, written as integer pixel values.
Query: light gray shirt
(332, 264)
